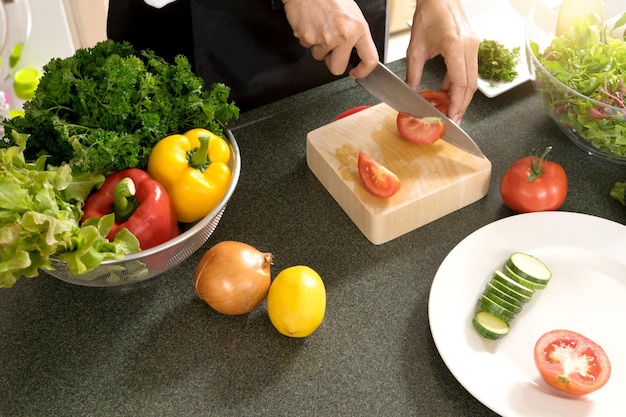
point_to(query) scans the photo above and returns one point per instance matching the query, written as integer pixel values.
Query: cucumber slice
(503, 303)
(522, 298)
(507, 292)
(490, 326)
(521, 280)
(503, 278)
(492, 289)
(486, 304)
(529, 267)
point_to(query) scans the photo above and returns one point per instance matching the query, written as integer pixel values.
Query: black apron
(245, 44)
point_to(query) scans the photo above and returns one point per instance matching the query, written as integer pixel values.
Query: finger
(456, 111)
(462, 79)
(320, 52)
(304, 43)
(337, 59)
(460, 87)
(414, 68)
(368, 55)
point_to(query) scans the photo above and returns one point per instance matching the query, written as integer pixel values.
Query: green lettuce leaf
(618, 192)
(40, 213)
(589, 59)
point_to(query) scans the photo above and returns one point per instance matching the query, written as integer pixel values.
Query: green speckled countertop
(155, 349)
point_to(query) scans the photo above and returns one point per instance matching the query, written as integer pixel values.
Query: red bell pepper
(140, 204)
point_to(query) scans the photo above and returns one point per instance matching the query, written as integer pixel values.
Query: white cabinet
(87, 21)
(400, 13)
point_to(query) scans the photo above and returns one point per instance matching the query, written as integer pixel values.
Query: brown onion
(233, 277)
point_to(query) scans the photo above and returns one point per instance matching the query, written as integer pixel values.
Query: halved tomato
(348, 112)
(420, 130)
(438, 98)
(571, 362)
(377, 179)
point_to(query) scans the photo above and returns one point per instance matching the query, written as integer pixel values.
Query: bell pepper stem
(124, 201)
(199, 159)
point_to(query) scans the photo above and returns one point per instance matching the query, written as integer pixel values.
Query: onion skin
(233, 277)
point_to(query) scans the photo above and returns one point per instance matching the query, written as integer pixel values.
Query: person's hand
(440, 27)
(331, 29)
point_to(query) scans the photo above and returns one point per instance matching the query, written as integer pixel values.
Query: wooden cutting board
(436, 179)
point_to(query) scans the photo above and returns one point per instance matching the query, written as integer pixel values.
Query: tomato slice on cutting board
(376, 178)
(419, 130)
(571, 362)
(437, 98)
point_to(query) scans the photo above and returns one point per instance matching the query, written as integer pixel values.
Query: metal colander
(147, 264)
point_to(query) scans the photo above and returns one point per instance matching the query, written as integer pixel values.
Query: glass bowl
(147, 264)
(595, 126)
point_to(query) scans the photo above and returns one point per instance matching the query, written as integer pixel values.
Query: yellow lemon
(296, 301)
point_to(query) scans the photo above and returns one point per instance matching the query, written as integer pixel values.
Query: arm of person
(440, 27)
(331, 29)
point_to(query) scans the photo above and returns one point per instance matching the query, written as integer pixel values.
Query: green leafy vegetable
(40, 212)
(104, 108)
(496, 62)
(98, 111)
(590, 61)
(618, 192)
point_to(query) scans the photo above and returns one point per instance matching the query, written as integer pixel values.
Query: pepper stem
(124, 201)
(199, 156)
(536, 162)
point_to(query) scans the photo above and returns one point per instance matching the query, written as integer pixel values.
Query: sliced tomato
(438, 98)
(377, 179)
(348, 112)
(420, 130)
(571, 362)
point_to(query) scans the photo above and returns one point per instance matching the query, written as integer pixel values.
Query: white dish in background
(503, 21)
(587, 294)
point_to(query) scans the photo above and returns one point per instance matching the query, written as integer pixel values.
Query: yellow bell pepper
(193, 169)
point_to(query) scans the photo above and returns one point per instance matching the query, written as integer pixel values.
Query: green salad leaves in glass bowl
(581, 75)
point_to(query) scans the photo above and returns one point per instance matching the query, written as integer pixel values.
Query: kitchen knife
(388, 87)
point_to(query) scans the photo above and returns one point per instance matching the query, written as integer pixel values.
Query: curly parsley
(104, 108)
(496, 62)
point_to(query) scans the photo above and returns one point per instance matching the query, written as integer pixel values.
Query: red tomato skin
(349, 112)
(551, 369)
(438, 98)
(547, 192)
(377, 179)
(419, 130)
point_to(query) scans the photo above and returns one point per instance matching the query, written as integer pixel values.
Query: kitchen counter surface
(155, 349)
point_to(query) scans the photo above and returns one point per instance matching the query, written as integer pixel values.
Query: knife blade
(383, 84)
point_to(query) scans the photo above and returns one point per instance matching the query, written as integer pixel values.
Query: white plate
(587, 294)
(503, 21)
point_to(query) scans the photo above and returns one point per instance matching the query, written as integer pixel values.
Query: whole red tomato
(350, 112)
(571, 362)
(534, 184)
